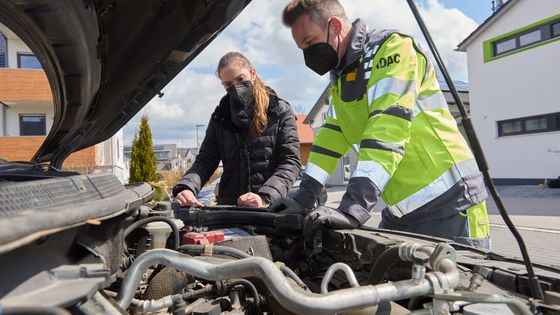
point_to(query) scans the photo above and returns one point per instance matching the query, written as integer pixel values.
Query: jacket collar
(354, 51)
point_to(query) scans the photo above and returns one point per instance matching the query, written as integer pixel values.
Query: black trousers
(454, 227)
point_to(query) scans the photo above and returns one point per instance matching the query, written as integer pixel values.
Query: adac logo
(387, 61)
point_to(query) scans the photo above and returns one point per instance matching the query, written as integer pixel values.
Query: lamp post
(197, 142)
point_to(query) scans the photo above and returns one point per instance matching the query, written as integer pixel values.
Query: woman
(253, 132)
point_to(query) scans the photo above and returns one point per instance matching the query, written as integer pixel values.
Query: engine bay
(159, 258)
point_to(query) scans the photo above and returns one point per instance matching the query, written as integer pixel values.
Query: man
(385, 98)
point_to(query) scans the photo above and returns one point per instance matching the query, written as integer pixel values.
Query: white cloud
(448, 27)
(188, 100)
(259, 34)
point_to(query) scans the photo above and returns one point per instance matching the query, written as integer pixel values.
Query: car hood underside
(106, 59)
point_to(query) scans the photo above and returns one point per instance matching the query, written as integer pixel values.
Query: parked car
(85, 244)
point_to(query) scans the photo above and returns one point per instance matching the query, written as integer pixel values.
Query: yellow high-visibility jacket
(411, 152)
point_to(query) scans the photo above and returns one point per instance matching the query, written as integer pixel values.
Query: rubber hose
(385, 261)
(219, 218)
(292, 275)
(247, 284)
(147, 220)
(179, 305)
(236, 253)
(190, 295)
(168, 281)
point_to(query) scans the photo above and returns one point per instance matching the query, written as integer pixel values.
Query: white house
(186, 157)
(169, 158)
(514, 77)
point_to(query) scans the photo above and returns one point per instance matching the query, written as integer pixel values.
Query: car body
(75, 243)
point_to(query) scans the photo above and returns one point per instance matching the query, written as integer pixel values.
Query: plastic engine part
(202, 238)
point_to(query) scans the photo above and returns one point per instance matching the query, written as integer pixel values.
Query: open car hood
(106, 59)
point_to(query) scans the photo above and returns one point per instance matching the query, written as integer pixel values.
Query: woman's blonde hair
(260, 92)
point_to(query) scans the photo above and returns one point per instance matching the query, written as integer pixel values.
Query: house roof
(459, 85)
(322, 101)
(182, 152)
(486, 24)
(304, 131)
(194, 151)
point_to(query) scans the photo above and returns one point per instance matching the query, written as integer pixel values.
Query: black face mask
(241, 103)
(241, 92)
(321, 57)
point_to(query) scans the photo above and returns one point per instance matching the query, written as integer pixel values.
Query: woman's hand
(187, 198)
(251, 200)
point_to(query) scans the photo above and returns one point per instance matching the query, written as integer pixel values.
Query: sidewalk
(536, 216)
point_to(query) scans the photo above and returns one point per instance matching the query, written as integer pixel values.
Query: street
(534, 211)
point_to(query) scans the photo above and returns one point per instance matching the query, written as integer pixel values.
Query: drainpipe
(4, 119)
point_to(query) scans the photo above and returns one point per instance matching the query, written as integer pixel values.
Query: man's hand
(286, 205)
(187, 198)
(251, 200)
(328, 217)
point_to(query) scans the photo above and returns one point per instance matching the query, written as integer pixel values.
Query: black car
(85, 244)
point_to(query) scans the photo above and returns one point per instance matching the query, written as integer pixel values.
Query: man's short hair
(319, 11)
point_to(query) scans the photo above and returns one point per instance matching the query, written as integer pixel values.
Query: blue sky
(477, 10)
(258, 33)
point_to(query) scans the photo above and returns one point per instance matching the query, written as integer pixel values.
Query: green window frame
(531, 36)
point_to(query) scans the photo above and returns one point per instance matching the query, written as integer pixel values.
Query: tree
(142, 156)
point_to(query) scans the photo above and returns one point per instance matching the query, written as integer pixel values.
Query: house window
(32, 125)
(528, 125)
(28, 61)
(527, 37)
(530, 38)
(556, 29)
(162, 156)
(3, 51)
(505, 46)
(536, 124)
(511, 127)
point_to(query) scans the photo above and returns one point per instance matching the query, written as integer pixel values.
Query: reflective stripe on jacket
(390, 104)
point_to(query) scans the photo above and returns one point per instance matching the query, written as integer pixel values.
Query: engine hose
(147, 220)
(179, 305)
(247, 284)
(282, 289)
(236, 253)
(220, 250)
(292, 275)
(31, 310)
(219, 218)
(167, 281)
(385, 261)
(191, 295)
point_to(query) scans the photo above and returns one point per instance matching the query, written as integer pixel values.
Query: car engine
(159, 258)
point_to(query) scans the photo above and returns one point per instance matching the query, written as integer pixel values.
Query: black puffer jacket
(267, 165)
